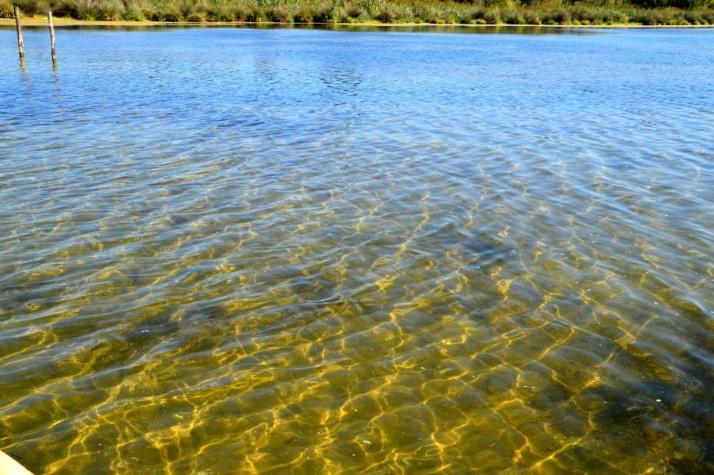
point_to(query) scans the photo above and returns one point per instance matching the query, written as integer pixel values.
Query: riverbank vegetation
(519, 12)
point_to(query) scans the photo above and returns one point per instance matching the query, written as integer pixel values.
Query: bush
(196, 17)
(27, 7)
(303, 16)
(219, 13)
(513, 17)
(100, 10)
(279, 15)
(562, 16)
(186, 9)
(323, 15)
(387, 14)
(6, 9)
(355, 11)
(170, 14)
(133, 15)
(532, 18)
(330, 15)
(491, 17)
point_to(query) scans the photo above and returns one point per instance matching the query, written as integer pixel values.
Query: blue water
(357, 251)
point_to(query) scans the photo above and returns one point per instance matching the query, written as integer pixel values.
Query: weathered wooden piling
(18, 26)
(52, 36)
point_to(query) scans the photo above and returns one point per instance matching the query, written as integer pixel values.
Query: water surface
(276, 251)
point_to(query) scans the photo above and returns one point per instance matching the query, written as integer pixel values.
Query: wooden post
(18, 26)
(52, 36)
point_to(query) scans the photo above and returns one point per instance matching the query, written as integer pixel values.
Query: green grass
(533, 12)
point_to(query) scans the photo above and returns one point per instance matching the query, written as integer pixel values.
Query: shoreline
(59, 22)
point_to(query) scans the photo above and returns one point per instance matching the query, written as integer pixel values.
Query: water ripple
(357, 252)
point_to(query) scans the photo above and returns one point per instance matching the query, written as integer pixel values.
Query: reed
(534, 12)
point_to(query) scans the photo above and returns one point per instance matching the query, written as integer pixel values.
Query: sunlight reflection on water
(326, 251)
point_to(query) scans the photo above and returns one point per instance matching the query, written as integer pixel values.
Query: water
(335, 252)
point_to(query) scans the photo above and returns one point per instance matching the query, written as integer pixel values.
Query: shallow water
(237, 250)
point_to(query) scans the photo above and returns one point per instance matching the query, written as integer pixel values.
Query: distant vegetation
(534, 12)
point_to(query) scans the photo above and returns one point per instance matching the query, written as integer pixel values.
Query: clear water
(275, 251)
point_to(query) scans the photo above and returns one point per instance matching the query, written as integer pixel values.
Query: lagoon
(229, 250)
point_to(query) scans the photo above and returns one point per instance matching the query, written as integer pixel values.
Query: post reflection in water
(275, 251)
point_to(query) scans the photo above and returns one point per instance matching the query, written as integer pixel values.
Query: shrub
(99, 10)
(255, 15)
(387, 14)
(491, 17)
(133, 15)
(6, 9)
(323, 15)
(303, 16)
(219, 13)
(532, 18)
(196, 17)
(513, 17)
(169, 14)
(278, 14)
(27, 7)
(355, 11)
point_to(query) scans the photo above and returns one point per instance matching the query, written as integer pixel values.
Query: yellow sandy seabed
(8, 466)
